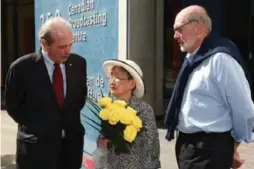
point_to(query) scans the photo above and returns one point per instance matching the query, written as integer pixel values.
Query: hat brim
(140, 86)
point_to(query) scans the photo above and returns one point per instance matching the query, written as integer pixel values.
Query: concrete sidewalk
(8, 146)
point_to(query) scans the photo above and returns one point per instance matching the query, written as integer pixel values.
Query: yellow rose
(126, 117)
(131, 110)
(120, 111)
(114, 118)
(111, 107)
(112, 122)
(136, 122)
(120, 103)
(105, 114)
(130, 133)
(105, 101)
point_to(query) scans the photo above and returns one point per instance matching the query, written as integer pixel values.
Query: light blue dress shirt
(50, 68)
(217, 98)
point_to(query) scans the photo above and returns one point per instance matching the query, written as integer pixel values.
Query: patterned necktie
(58, 84)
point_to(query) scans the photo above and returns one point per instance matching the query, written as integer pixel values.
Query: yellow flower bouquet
(120, 123)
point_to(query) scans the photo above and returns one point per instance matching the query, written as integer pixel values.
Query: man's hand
(237, 161)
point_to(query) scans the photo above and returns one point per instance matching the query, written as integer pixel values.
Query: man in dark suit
(45, 92)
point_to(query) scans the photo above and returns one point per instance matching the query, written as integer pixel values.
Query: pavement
(8, 141)
(8, 146)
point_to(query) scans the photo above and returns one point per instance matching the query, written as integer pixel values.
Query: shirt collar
(48, 61)
(189, 55)
(46, 58)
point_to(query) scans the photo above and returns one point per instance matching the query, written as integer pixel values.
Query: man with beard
(211, 105)
(45, 92)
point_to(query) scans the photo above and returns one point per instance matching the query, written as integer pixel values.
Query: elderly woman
(126, 83)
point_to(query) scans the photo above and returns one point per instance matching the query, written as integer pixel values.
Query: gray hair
(203, 17)
(51, 26)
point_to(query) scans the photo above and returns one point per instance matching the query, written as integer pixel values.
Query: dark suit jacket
(31, 102)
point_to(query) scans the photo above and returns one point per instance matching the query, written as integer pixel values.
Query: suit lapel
(44, 79)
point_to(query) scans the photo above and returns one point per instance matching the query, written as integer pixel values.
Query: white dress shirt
(50, 68)
(217, 98)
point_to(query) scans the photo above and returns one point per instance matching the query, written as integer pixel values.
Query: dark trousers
(204, 151)
(71, 153)
(50, 152)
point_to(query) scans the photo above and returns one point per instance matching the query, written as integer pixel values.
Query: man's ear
(44, 44)
(198, 30)
(201, 29)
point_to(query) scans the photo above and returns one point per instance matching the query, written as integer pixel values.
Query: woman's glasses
(116, 79)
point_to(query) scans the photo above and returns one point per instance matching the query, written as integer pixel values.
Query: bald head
(192, 25)
(197, 13)
(53, 28)
(192, 9)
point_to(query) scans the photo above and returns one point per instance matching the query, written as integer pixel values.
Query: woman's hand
(88, 162)
(102, 143)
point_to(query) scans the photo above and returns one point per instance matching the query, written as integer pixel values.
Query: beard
(186, 46)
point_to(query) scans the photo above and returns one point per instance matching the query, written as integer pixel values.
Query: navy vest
(212, 44)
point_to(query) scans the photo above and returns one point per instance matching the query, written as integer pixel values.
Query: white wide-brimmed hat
(132, 68)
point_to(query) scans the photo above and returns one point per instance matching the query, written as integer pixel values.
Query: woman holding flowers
(126, 83)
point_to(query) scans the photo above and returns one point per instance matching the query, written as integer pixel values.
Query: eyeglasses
(116, 79)
(180, 28)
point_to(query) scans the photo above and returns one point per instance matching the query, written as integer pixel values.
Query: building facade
(142, 31)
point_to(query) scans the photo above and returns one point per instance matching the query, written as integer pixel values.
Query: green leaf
(93, 126)
(94, 105)
(98, 124)
(96, 114)
(101, 93)
(109, 94)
